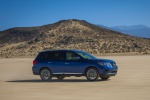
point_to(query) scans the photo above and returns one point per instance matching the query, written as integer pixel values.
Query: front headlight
(105, 64)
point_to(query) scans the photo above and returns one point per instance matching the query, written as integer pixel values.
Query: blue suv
(63, 63)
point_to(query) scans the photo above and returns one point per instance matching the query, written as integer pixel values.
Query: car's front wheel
(45, 74)
(92, 74)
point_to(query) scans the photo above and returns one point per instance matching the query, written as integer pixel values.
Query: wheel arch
(44, 68)
(90, 67)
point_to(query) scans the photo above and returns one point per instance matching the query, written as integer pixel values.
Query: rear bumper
(35, 71)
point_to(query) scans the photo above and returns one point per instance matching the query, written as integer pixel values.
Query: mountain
(103, 26)
(68, 34)
(135, 30)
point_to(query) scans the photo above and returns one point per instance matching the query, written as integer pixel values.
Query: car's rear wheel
(104, 78)
(92, 74)
(45, 74)
(60, 77)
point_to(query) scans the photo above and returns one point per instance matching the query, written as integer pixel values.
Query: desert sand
(131, 83)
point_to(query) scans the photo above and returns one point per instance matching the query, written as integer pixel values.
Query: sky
(27, 13)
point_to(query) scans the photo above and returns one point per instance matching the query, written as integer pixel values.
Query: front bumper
(107, 72)
(110, 74)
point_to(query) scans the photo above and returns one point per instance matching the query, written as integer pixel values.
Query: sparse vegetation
(69, 34)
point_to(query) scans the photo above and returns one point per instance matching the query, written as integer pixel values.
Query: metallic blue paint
(70, 67)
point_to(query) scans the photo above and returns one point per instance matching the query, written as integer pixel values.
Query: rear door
(56, 62)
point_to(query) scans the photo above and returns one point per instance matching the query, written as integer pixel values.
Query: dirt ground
(131, 83)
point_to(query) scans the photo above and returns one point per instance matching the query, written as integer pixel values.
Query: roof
(63, 50)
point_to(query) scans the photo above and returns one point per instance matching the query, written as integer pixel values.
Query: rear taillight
(34, 62)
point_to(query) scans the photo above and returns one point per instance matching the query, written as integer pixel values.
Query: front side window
(86, 55)
(72, 56)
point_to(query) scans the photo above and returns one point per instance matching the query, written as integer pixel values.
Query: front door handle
(49, 62)
(66, 63)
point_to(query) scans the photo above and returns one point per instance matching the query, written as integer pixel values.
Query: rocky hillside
(68, 34)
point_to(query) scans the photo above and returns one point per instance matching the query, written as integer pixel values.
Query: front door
(73, 65)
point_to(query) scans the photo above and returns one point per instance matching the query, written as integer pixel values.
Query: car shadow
(56, 80)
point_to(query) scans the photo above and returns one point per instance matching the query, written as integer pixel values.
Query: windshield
(86, 55)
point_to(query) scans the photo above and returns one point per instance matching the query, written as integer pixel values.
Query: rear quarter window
(43, 56)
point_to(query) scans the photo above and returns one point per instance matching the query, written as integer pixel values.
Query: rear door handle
(66, 63)
(49, 62)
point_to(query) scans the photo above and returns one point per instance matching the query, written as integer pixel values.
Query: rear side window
(51, 56)
(57, 56)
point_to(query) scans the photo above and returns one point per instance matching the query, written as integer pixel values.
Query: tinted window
(51, 56)
(57, 56)
(43, 56)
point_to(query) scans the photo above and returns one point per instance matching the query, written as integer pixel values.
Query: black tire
(60, 77)
(92, 74)
(104, 78)
(45, 74)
